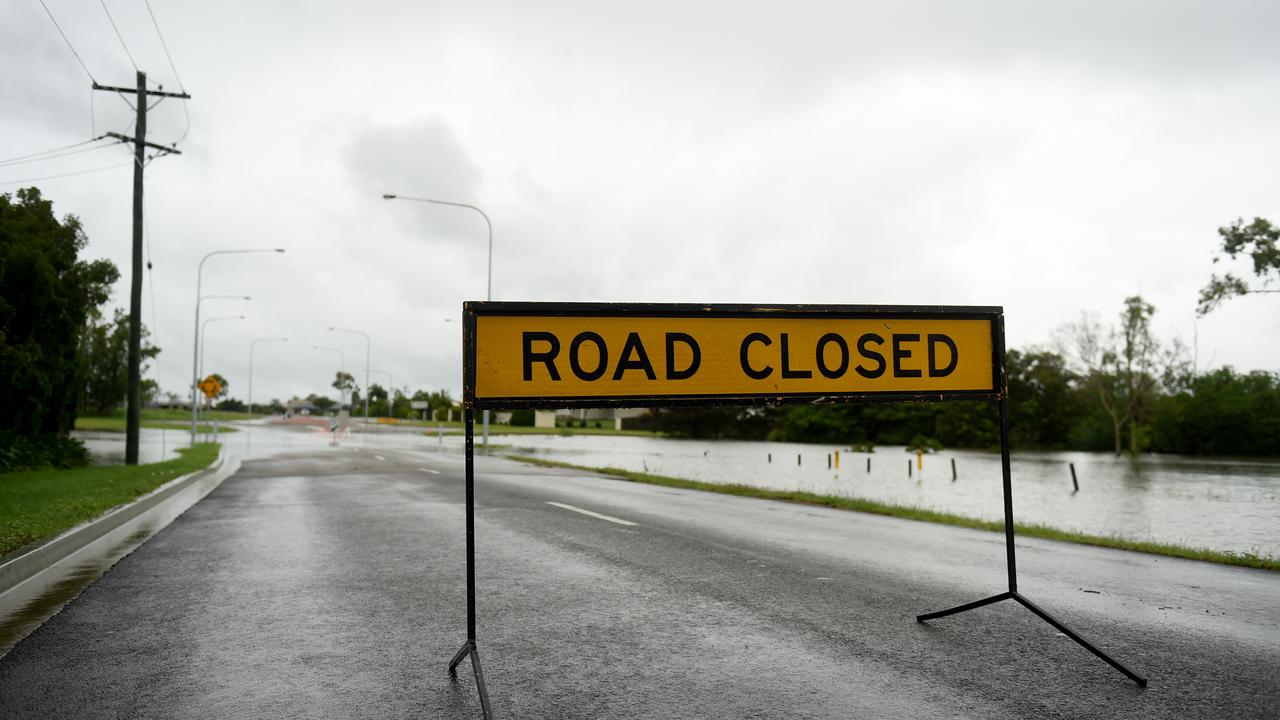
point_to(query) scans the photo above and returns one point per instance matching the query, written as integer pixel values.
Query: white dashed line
(592, 514)
(380, 458)
(429, 470)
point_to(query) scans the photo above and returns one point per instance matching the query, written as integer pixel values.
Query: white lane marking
(592, 514)
(429, 470)
(380, 458)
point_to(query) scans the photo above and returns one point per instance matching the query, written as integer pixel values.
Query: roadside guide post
(520, 355)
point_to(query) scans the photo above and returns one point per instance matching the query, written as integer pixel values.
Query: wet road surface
(330, 582)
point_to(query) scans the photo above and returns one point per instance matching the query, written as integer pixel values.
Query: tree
(1044, 399)
(104, 354)
(231, 405)
(1258, 240)
(323, 404)
(344, 383)
(46, 297)
(1120, 365)
(438, 402)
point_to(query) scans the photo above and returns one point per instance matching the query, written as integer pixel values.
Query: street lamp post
(205, 325)
(489, 287)
(342, 367)
(251, 347)
(195, 330)
(366, 366)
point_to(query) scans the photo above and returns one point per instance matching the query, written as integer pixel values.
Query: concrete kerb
(31, 562)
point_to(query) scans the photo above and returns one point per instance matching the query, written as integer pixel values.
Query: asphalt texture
(330, 582)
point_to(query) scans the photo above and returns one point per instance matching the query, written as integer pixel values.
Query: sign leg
(469, 647)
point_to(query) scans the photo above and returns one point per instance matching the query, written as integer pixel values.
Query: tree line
(1101, 388)
(53, 339)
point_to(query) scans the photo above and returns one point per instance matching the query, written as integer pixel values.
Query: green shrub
(522, 418)
(32, 452)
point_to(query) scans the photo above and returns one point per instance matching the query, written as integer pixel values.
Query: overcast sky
(1051, 158)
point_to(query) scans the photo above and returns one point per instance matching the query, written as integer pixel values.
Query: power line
(13, 160)
(164, 45)
(54, 177)
(118, 35)
(176, 76)
(68, 42)
(58, 155)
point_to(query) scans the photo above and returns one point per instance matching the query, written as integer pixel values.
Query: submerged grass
(37, 504)
(1261, 562)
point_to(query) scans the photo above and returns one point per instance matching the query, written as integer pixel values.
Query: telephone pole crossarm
(162, 148)
(134, 91)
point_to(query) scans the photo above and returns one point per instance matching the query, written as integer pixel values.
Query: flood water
(1224, 505)
(1219, 504)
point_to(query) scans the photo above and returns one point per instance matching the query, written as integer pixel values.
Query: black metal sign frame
(999, 395)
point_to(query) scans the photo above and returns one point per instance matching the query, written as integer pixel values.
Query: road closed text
(600, 356)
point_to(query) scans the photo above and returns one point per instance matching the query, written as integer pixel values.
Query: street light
(202, 327)
(342, 367)
(195, 329)
(251, 346)
(489, 288)
(366, 366)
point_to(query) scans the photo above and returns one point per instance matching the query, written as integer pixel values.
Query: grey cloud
(422, 158)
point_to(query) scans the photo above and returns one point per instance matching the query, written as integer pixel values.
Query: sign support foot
(1013, 593)
(469, 648)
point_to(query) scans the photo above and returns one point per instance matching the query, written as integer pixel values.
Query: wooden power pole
(140, 144)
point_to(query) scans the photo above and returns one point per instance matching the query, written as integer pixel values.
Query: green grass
(117, 424)
(37, 504)
(922, 515)
(178, 415)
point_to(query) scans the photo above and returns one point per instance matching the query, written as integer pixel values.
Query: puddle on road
(28, 605)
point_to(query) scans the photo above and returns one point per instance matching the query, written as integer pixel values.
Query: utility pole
(133, 418)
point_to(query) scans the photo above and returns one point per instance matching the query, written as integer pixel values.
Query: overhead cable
(68, 42)
(54, 177)
(118, 35)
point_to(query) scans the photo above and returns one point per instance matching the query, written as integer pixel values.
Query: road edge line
(48, 553)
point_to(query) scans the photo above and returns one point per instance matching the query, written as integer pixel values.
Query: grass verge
(37, 504)
(117, 424)
(911, 513)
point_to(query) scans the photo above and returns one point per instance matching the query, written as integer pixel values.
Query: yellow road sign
(582, 354)
(210, 387)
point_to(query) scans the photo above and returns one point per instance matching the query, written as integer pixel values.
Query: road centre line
(429, 470)
(380, 458)
(592, 514)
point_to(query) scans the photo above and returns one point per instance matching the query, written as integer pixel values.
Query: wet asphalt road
(331, 583)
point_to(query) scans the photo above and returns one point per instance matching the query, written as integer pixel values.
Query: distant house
(299, 407)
